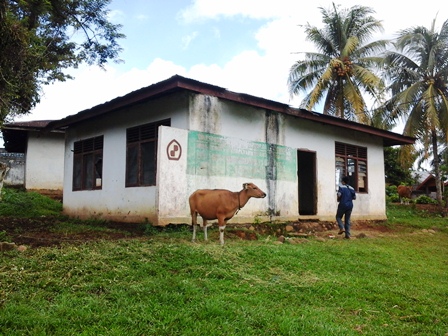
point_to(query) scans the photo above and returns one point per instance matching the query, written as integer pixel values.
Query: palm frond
(320, 40)
(371, 49)
(368, 79)
(354, 97)
(343, 45)
(350, 47)
(431, 111)
(319, 89)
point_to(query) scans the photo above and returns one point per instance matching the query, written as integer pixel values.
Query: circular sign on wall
(174, 150)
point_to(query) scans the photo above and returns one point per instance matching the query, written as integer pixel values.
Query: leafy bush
(391, 190)
(393, 198)
(423, 199)
(392, 194)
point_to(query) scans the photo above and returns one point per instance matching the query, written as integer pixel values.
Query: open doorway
(306, 170)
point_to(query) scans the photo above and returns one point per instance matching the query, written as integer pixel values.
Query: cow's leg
(204, 223)
(194, 222)
(222, 227)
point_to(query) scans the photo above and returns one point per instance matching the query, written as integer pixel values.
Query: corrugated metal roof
(15, 134)
(430, 183)
(27, 125)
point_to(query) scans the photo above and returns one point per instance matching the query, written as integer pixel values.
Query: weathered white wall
(212, 168)
(44, 161)
(16, 175)
(303, 134)
(172, 180)
(16, 163)
(227, 162)
(223, 144)
(210, 114)
(247, 128)
(114, 201)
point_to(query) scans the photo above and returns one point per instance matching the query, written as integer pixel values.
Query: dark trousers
(346, 213)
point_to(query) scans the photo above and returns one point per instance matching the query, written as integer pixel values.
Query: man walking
(346, 195)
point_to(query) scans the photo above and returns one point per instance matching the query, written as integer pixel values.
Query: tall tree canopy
(343, 68)
(418, 73)
(39, 39)
(397, 173)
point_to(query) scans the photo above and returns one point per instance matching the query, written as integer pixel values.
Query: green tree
(342, 71)
(397, 172)
(39, 39)
(418, 73)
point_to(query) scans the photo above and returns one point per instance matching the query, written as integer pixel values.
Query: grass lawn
(162, 284)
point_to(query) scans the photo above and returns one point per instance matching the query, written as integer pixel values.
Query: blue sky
(158, 29)
(245, 46)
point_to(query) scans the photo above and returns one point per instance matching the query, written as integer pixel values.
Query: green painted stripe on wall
(214, 155)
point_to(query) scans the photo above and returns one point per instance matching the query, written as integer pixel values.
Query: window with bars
(351, 161)
(141, 153)
(88, 164)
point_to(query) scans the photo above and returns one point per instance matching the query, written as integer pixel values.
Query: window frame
(88, 164)
(352, 161)
(141, 154)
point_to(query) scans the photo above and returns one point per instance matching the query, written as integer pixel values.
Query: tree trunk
(340, 100)
(435, 153)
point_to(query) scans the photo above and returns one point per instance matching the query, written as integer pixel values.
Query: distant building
(427, 185)
(42, 153)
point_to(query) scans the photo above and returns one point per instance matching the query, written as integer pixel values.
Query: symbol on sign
(174, 150)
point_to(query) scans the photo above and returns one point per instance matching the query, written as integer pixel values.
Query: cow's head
(253, 191)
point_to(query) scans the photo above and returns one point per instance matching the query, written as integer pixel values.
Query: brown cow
(220, 204)
(404, 193)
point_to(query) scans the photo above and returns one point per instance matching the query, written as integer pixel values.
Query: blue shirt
(346, 195)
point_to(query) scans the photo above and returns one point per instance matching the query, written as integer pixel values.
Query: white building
(44, 156)
(140, 156)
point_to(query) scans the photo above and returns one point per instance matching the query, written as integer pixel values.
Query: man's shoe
(341, 232)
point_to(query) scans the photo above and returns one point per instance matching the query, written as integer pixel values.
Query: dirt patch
(46, 231)
(305, 229)
(431, 208)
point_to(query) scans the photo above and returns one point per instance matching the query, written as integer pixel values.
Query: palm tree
(418, 71)
(342, 70)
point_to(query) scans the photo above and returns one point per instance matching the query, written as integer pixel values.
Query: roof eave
(167, 86)
(176, 83)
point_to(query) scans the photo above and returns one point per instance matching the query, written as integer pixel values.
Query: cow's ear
(244, 185)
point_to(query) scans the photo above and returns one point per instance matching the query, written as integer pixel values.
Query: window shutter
(340, 149)
(362, 152)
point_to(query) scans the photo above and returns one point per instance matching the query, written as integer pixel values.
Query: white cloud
(93, 86)
(142, 17)
(116, 15)
(216, 32)
(254, 9)
(261, 73)
(186, 40)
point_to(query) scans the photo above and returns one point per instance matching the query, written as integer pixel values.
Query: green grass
(410, 217)
(168, 286)
(16, 202)
(394, 284)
